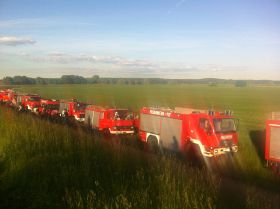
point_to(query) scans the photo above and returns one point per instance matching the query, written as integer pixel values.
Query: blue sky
(238, 39)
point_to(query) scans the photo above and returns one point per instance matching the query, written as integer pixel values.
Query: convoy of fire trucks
(212, 133)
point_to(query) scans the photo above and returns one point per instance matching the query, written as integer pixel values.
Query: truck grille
(225, 143)
(123, 127)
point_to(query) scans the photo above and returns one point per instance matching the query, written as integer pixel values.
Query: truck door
(205, 131)
(71, 109)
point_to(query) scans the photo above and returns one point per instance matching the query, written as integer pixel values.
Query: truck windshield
(80, 106)
(36, 99)
(51, 106)
(223, 125)
(121, 115)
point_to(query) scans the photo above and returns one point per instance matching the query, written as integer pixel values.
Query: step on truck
(72, 109)
(211, 133)
(272, 142)
(110, 121)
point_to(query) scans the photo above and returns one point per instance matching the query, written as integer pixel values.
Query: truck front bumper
(121, 132)
(220, 151)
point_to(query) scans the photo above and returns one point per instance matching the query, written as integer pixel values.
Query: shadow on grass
(258, 139)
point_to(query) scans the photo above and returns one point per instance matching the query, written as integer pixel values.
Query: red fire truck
(110, 121)
(30, 102)
(5, 95)
(211, 133)
(72, 109)
(48, 107)
(272, 144)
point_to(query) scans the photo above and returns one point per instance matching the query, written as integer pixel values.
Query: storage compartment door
(274, 147)
(150, 123)
(170, 135)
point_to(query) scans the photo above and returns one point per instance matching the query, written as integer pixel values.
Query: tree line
(95, 79)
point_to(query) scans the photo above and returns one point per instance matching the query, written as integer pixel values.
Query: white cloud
(64, 58)
(43, 22)
(57, 63)
(15, 41)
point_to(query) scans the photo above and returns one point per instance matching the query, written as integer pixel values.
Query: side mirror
(236, 121)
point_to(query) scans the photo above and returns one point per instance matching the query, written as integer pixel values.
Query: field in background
(40, 148)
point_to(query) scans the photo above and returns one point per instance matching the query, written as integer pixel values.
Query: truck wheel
(20, 108)
(153, 144)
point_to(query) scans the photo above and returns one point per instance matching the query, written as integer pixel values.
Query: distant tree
(139, 81)
(126, 81)
(213, 84)
(132, 82)
(73, 79)
(240, 83)
(8, 81)
(40, 80)
(23, 80)
(120, 81)
(94, 79)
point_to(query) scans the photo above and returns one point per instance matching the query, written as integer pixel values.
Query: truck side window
(101, 115)
(204, 124)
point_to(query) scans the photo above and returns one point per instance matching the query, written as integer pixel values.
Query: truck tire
(153, 145)
(20, 108)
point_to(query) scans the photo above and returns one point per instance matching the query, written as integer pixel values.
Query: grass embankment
(251, 105)
(46, 165)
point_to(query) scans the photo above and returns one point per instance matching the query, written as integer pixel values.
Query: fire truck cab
(213, 133)
(272, 143)
(110, 120)
(29, 102)
(73, 108)
(5, 95)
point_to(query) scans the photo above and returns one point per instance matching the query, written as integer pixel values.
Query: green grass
(45, 165)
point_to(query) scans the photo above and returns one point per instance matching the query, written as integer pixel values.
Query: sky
(231, 39)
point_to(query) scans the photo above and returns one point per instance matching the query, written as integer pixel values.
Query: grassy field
(45, 165)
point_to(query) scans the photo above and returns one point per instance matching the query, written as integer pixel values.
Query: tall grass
(45, 165)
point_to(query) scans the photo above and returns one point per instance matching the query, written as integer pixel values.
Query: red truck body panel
(117, 121)
(174, 130)
(272, 144)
